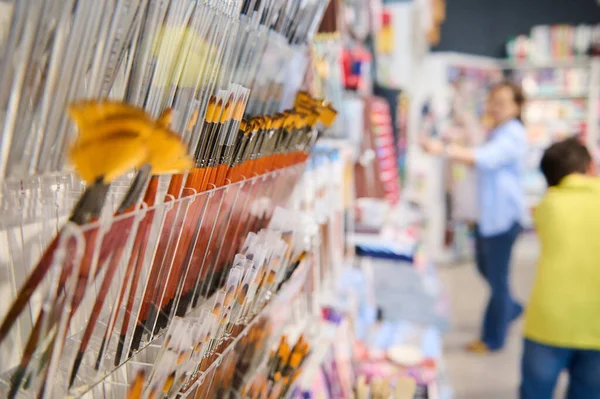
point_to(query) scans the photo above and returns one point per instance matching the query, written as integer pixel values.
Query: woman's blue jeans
(493, 255)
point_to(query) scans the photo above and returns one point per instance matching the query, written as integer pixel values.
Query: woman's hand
(432, 146)
(457, 153)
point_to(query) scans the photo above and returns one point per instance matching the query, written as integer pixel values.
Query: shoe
(477, 346)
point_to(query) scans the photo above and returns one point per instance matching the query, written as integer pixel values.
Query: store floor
(494, 376)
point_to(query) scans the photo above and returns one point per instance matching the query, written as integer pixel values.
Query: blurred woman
(499, 166)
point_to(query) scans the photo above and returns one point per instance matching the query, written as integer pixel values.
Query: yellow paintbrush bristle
(218, 111)
(167, 154)
(210, 109)
(115, 138)
(135, 391)
(300, 121)
(169, 383)
(238, 112)
(295, 360)
(289, 121)
(86, 114)
(181, 358)
(268, 122)
(166, 118)
(193, 120)
(227, 111)
(278, 122)
(328, 115)
(301, 98)
(115, 125)
(108, 158)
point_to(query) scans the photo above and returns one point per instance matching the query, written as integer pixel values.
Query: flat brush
(165, 153)
(225, 214)
(88, 208)
(86, 268)
(189, 235)
(136, 389)
(192, 185)
(92, 201)
(100, 300)
(134, 267)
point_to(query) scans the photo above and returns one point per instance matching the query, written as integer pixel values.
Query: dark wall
(483, 26)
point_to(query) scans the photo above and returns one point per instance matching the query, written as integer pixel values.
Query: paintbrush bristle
(238, 112)
(227, 111)
(166, 118)
(210, 109)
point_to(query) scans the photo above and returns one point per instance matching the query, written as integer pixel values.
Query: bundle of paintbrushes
(101, 153)
(187, 262)
(194, 260)
(379, 388)
(153, 54)
(281, 371)
(193, 344)
(88, 294)
(217, 382)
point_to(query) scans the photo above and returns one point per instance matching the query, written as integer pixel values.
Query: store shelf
(557, 96)
(205, 222)
(550, 64)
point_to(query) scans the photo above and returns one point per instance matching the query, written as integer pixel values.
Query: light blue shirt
(499, 163)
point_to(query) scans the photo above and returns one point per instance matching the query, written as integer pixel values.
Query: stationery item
(282, 369)
(119, 282)
(120, 154)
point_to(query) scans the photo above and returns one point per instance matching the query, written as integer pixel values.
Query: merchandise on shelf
(554, 43)
(171, 232)
(560, 100)
(356, 63)
(327, 82)
(385, 148)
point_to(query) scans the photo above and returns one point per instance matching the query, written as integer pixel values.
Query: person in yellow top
(562, 320)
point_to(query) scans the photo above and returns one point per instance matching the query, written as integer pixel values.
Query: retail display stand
(562, 100)
(157, 249)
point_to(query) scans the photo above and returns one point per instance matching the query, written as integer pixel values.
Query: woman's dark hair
(564, 158)
(518, 95)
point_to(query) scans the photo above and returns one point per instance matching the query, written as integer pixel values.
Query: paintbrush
(86, 156)
(136, 389)
(222, 223)
(84, 160)
(186, 237)
(236, 173)
(176, 182)
(204, 231)
(226, 155)
(92, 200)
(134, 267)
(175, 190)
(161, 160)
(166, 154)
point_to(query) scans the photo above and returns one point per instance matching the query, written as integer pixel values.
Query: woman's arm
(456, 153)
(492, 155)
(461, 154)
